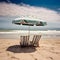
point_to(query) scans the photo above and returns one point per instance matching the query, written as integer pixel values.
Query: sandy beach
(49, 49)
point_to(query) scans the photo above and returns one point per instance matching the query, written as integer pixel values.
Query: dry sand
(48, 50)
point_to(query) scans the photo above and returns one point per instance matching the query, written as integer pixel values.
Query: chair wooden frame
(35, 41)
(25, 40)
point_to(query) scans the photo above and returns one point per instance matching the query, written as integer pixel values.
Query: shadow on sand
(19, 49)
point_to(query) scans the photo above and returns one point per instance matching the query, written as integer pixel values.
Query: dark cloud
(3, 0)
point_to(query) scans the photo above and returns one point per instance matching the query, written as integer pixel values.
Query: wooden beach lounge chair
(35, 41)
(24, 40)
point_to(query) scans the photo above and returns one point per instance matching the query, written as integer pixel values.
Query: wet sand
(49, 49)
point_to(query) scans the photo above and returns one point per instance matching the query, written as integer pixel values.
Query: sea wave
(16, 34)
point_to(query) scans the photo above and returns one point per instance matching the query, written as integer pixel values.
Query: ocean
(13, 31)
(15, 34)
(6, 24)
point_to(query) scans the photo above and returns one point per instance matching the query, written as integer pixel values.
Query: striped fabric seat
(35, 41)
(24, 40)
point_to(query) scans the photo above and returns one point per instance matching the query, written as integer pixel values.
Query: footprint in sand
(13, 57)
(50, 58)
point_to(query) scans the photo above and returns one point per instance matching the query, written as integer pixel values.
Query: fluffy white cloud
(27, 10)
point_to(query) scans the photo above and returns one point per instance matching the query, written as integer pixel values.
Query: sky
(48, 10)
(42, 9)
(51, 4)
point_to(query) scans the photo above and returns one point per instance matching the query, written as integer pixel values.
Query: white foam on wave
(21, 31)
(17, 33)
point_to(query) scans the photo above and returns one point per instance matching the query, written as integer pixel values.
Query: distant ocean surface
(15, 34)
(6, 24)
(13, 31)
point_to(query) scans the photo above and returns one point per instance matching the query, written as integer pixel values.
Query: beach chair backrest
(36, 39)
(24, 40)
